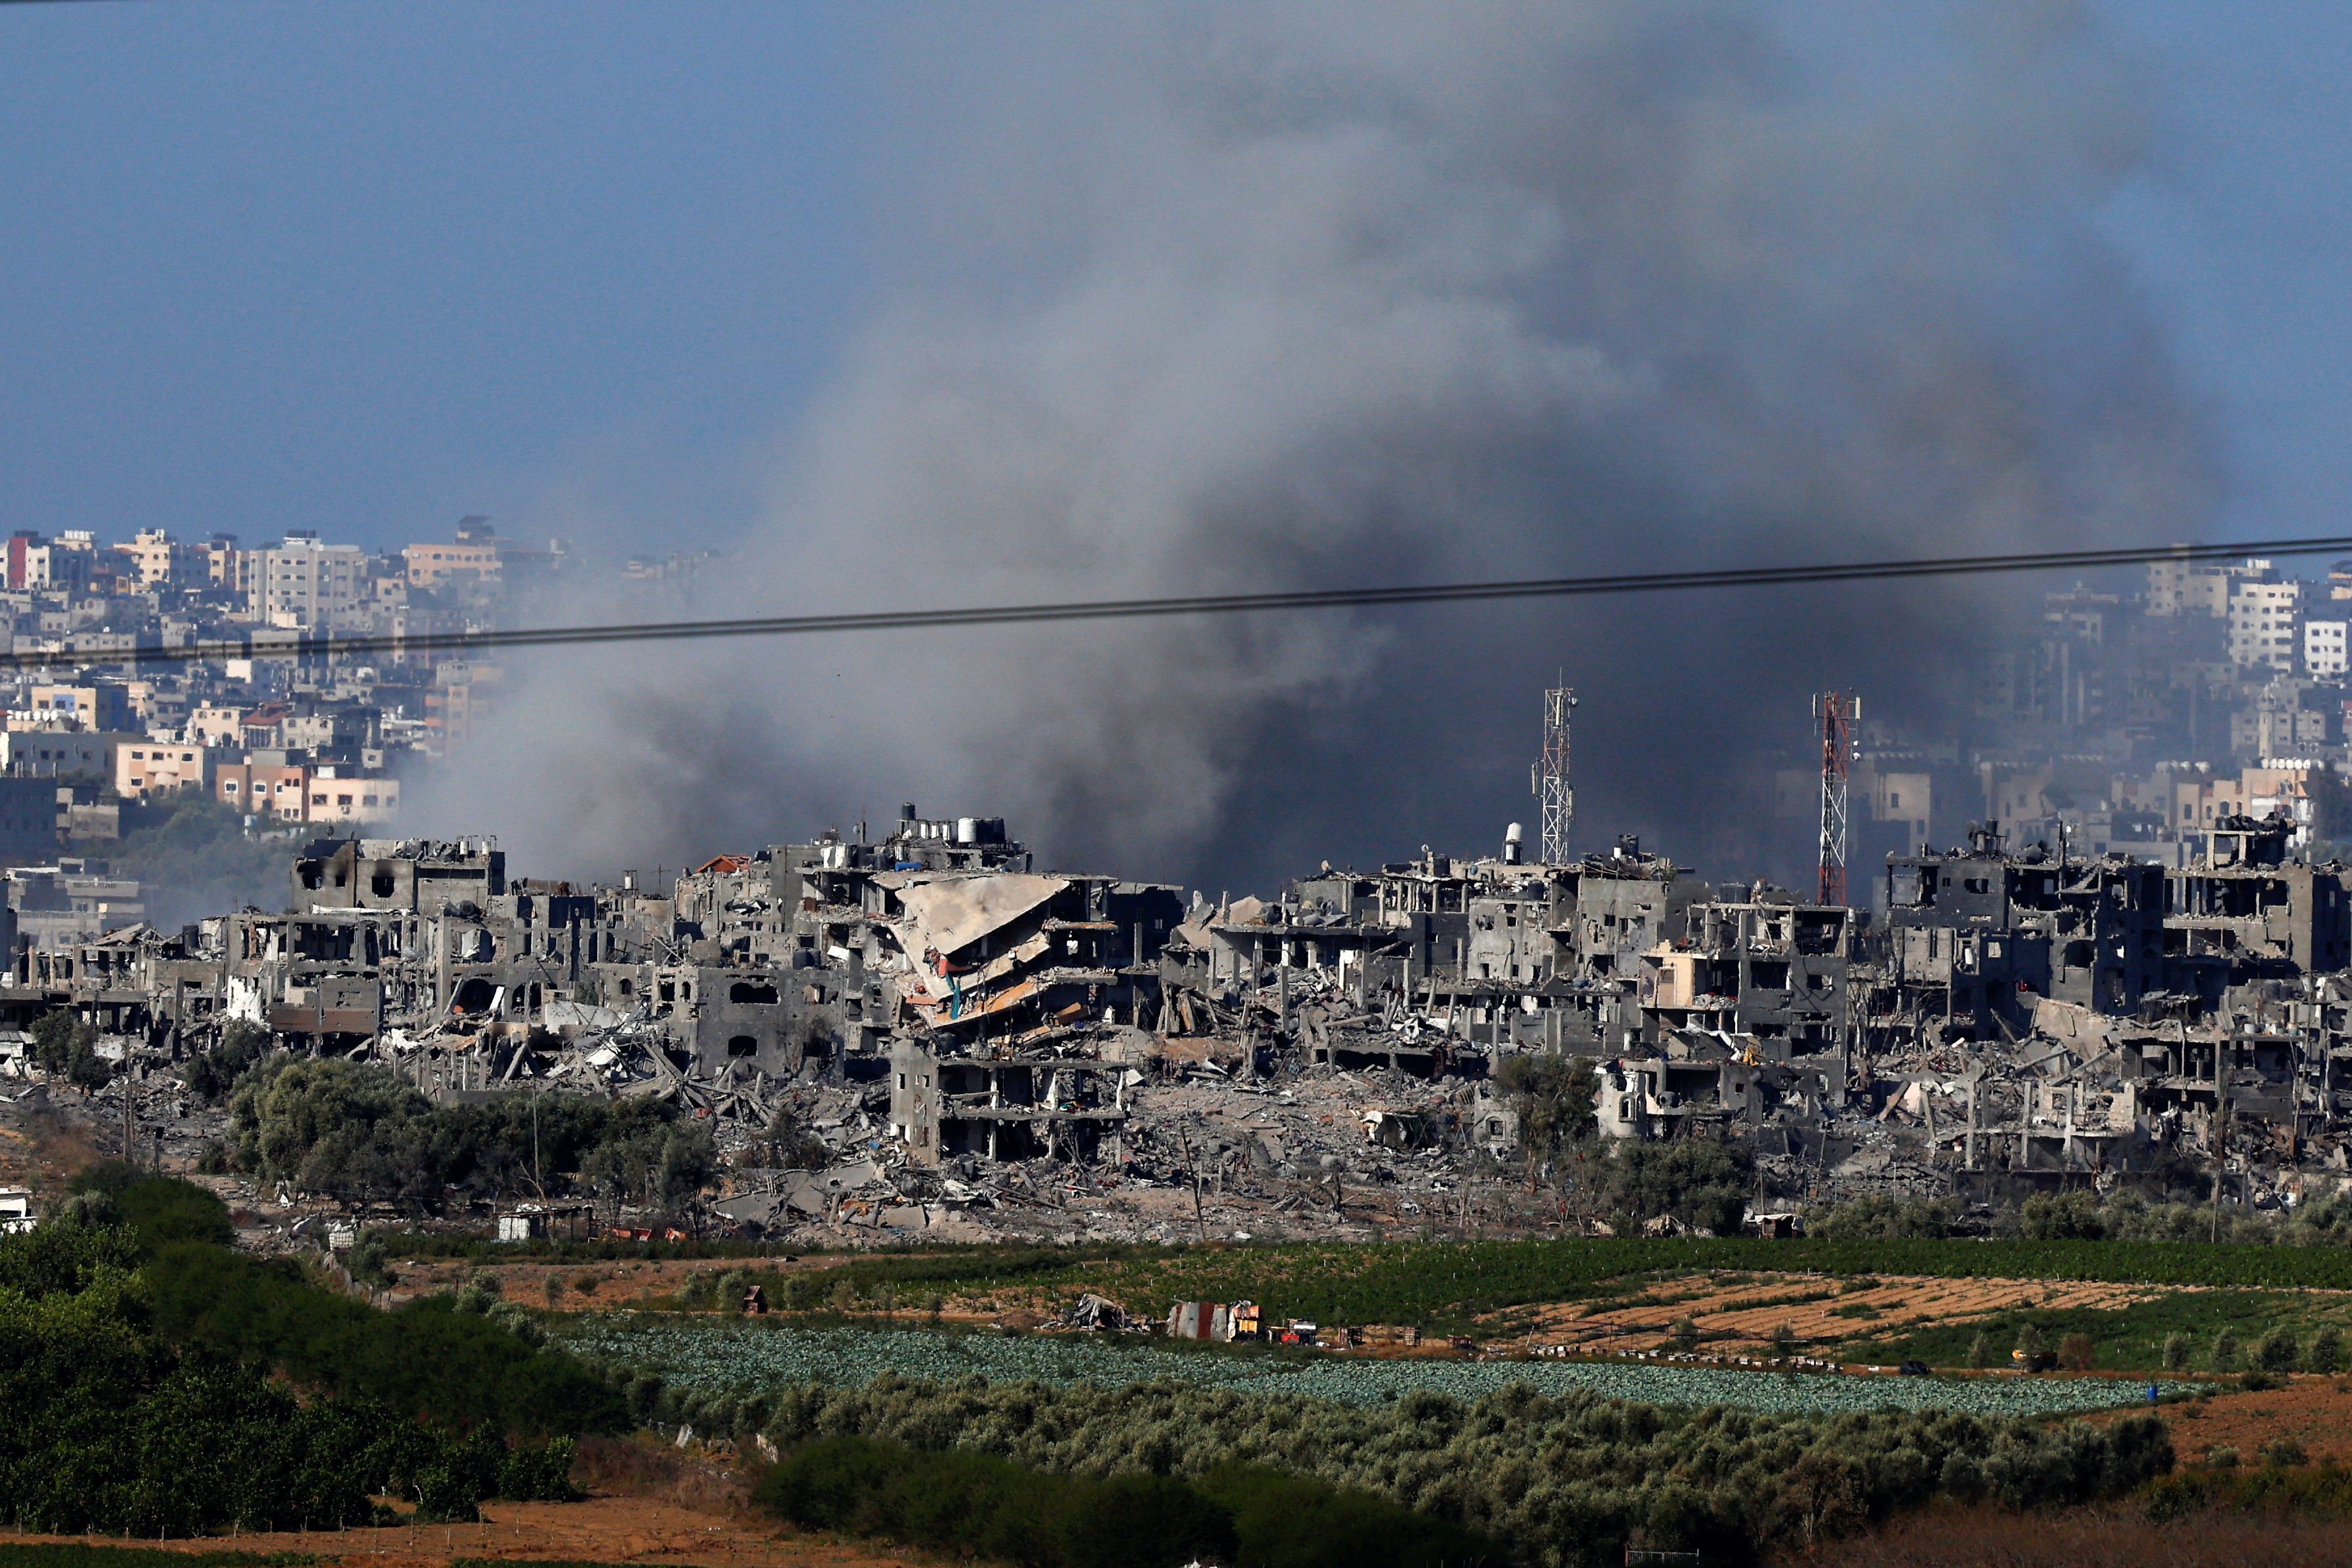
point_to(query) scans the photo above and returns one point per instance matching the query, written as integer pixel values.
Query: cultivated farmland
(722, 1357)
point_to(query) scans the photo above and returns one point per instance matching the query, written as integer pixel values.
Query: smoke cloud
(1215, 297)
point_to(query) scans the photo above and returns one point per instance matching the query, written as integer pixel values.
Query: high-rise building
(302, 583)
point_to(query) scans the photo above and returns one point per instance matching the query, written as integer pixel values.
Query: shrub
(211, 1075)
(2176, 1351)
(978, 1504)
(2284, 1453)
(60, 1035)
(424, 1359)
(1881, 1218)
(118, 1427)
(369, 1259)
(2062, 1217)
(159, 1210)
(2075, 1352)
(2224, 1355)
(2277, 1352)
(1554, 1096)
(1699, 1182)
(1723, 1482)
(1981, 1352)
(360, 1128)
(2326, 1351)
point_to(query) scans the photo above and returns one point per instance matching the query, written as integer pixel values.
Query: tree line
(359, 1130)
(1700, 1183)
(1566, 1482)
(976, 1504)
(158, 1385)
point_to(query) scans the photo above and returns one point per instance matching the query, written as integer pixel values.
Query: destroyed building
(928, 1003)
(1974, 936)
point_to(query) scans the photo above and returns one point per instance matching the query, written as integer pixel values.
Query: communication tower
(1551, 782)
(1835, 713)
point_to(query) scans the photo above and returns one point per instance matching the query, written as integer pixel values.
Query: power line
(328, 645)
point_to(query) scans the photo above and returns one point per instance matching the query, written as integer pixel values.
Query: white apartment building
(2324, 650)
(304, 583)
(336, 796)
(2264, 617)
(2194, 587)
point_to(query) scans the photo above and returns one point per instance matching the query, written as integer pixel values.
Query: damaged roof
(952, 912)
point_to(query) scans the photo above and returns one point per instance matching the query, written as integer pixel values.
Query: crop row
(733, 1357)
(1447, 1286)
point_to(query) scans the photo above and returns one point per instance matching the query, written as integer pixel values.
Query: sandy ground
(2315, 1411)
(1744, 1312)
(601, 1530)
(39, 1147)
(607, 1284)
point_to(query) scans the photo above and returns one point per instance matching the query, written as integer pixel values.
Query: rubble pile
(925, 1036)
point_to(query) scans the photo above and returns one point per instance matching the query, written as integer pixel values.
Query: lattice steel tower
(1552, 782)
(1835, 712)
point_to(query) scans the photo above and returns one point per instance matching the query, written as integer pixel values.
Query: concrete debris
(1096, 1312)
(922, 1035)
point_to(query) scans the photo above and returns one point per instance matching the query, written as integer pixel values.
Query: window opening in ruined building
(748, 991)
(742, 1045)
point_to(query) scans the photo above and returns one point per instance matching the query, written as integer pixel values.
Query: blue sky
(2245, 240)
(367, 267)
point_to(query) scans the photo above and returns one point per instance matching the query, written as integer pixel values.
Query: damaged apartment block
(927, 1005)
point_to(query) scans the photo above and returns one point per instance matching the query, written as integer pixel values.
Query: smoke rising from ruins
(1233, 297)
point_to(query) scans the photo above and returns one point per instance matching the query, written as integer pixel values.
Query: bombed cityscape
(2105, 973)
(1549, 784)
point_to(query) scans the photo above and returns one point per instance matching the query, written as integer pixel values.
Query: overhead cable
(325, 645)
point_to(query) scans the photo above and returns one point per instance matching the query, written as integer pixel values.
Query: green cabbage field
(735, 1357)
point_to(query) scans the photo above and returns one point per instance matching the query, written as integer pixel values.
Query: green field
(723, 1356)
(1471, 1287)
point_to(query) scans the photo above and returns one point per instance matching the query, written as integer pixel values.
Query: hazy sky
(365, 266)
(933, 305)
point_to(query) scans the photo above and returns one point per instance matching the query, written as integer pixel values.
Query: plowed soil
(585, 1287)
(602, 1529)
(2106, 1536)
(2315, 1411)
(1747, 1312)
